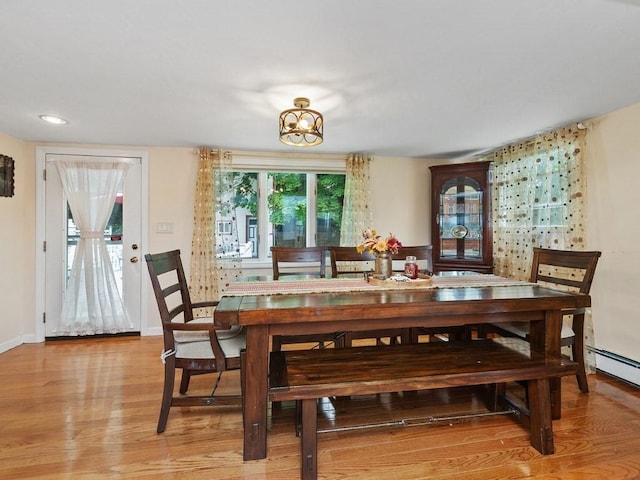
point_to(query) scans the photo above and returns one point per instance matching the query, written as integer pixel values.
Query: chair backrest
(565, 269)
(169, 285)
(315, 257)
(346, 260)
(423, 253)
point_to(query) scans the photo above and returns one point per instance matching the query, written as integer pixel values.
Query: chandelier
(301, 127)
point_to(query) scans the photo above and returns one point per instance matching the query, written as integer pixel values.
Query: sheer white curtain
(92, 303)
(356, 211)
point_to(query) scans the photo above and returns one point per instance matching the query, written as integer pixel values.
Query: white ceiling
(432, 78)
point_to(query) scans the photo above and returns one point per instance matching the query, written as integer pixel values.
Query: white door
(123, 237)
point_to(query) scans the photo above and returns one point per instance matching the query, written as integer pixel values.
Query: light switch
(164, 227)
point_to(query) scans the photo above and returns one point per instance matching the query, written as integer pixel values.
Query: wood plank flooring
(87, 409)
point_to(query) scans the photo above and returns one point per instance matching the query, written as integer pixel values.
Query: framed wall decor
(6, 176)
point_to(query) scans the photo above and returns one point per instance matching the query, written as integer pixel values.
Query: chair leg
(577, 349)
(184, 382)
(482, 331)
(167, 394)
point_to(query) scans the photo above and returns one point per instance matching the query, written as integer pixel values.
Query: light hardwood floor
(87, 409)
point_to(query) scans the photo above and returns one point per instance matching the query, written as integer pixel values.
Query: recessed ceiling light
(53, 119)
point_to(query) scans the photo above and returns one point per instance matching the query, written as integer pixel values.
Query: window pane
(460, 219)
(329, 199)
(236, 203)
(287, 203)
(245, 185)
(112, 237)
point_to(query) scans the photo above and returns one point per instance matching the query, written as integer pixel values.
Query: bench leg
(298, 418)
(540, 415)
(309, 439)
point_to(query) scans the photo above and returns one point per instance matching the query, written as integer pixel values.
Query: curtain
(92, 303)
(538, 199)
(215, 259)
(356, 211)
(539, 195)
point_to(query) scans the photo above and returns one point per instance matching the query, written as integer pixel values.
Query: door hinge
(44, 175)
(44, 246)
(44, 317)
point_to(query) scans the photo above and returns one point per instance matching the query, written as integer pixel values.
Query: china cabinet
(461, 228)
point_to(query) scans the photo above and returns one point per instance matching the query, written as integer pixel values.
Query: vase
(384, 265)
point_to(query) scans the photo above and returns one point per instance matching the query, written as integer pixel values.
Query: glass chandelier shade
(300, 126)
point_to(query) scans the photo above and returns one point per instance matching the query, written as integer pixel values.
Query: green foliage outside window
(246, 191)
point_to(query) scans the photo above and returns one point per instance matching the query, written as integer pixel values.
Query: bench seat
(306, 375)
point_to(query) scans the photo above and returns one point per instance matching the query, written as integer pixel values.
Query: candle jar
(411, 267)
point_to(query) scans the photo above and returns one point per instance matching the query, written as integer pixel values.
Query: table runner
(336, 285)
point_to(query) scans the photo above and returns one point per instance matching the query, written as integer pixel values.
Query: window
(538, 199)
(274, 206)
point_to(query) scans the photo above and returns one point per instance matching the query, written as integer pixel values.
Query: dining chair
(192, 344)
(563, 270)
(308, 262)
(423, 254)
(346, 261)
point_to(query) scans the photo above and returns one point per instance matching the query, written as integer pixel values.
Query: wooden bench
(307, 375)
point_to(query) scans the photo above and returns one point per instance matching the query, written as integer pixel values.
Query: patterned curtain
(214, 253)
(356, 211)
(539, 201)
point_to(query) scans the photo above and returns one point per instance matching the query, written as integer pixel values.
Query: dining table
(267, 307)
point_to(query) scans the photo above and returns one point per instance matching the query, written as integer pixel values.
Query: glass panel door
(460, 219)
(112, 237)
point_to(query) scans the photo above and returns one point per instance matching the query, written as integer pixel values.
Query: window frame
(311, 165)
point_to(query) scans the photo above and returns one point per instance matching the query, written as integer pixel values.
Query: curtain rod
(584, 125)
(292, 155)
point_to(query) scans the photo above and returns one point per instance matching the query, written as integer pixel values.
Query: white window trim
(282, 162)
(289, 162)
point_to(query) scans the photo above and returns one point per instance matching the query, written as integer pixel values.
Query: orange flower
(375, 244)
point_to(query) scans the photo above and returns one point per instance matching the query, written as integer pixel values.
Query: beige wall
(613, 226)
(400, 200)
(172, 174)
(17, 218)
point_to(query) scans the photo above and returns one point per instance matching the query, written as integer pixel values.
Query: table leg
(545, 337)
(255, 400)
(540, 415)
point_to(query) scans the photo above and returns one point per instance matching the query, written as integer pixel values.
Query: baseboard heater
(618, 366)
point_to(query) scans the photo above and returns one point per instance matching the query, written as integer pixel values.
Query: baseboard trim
(9, 344)
(618, 366)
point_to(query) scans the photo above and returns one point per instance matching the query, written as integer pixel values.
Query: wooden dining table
(269, 308)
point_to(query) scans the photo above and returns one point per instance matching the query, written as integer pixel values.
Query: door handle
(133, 259)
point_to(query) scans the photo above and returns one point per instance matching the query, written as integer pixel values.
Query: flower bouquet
(382, 248)
(375, 244)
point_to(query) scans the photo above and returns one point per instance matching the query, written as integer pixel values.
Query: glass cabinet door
(460, 219)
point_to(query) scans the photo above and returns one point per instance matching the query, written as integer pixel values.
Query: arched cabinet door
(461, 229)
